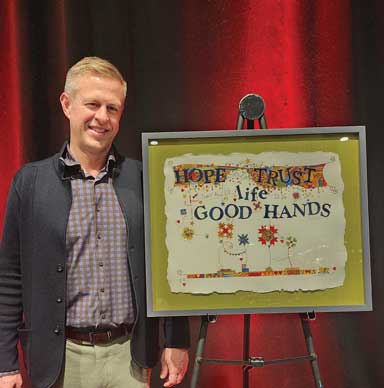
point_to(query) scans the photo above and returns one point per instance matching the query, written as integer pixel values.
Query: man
(72, 285)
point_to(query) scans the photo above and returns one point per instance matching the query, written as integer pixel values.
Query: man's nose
(101, 114)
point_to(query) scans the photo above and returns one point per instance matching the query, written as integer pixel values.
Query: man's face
(94, 110)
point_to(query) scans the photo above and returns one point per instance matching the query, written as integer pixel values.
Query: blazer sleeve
(10, 284)
(176, 332)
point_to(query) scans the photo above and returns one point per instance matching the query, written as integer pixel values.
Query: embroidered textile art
(264, 222)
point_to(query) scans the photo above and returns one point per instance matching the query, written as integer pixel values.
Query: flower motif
(225, 230)
(257, 205)
(188, 233)
(291, 242)
(268, 235)
(243, 239)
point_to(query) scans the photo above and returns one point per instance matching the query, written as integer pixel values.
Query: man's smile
(98, 130)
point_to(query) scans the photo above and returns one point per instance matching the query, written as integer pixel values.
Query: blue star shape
(243, 239)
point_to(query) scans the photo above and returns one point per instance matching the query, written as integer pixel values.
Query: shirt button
(101, 264)
(99, 236)
(60, 268)
(101, 289)
(102, 316)
(57, 330)
(59, 300)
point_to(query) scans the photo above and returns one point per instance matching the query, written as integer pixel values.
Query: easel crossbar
(257, 362)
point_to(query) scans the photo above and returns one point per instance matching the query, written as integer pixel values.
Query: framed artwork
(256, 221)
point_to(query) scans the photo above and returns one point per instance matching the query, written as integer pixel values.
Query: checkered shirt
(99, 291)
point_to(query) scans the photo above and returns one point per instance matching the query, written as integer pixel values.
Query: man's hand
(11, 381)
(174, 364)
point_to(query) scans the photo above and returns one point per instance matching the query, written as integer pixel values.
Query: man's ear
(65, 104)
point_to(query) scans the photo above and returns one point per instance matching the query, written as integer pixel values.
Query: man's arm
(174, 359)
(10, 288)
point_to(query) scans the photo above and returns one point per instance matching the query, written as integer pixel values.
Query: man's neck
(90, 163)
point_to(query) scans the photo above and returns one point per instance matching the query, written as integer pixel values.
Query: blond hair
(92, 66)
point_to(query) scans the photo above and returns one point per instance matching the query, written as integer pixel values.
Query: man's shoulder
(31, 168)
(126, 159)
(129, 164)
(42, 163)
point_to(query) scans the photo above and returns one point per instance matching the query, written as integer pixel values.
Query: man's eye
(112, 109)
(91, 105)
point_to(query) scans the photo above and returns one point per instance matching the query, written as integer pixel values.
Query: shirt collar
(72, 167)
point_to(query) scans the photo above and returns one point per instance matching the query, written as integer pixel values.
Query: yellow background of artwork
(351, 293)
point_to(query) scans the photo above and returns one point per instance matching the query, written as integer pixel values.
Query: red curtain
(296, 54)
(11, 151)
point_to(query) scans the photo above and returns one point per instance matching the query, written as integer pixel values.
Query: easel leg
(246, 338)
(311, 350)
(199, 351)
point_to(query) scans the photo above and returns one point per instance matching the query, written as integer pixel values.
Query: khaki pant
(101, 366)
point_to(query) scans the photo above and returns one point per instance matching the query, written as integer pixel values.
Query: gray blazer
(33, 270)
